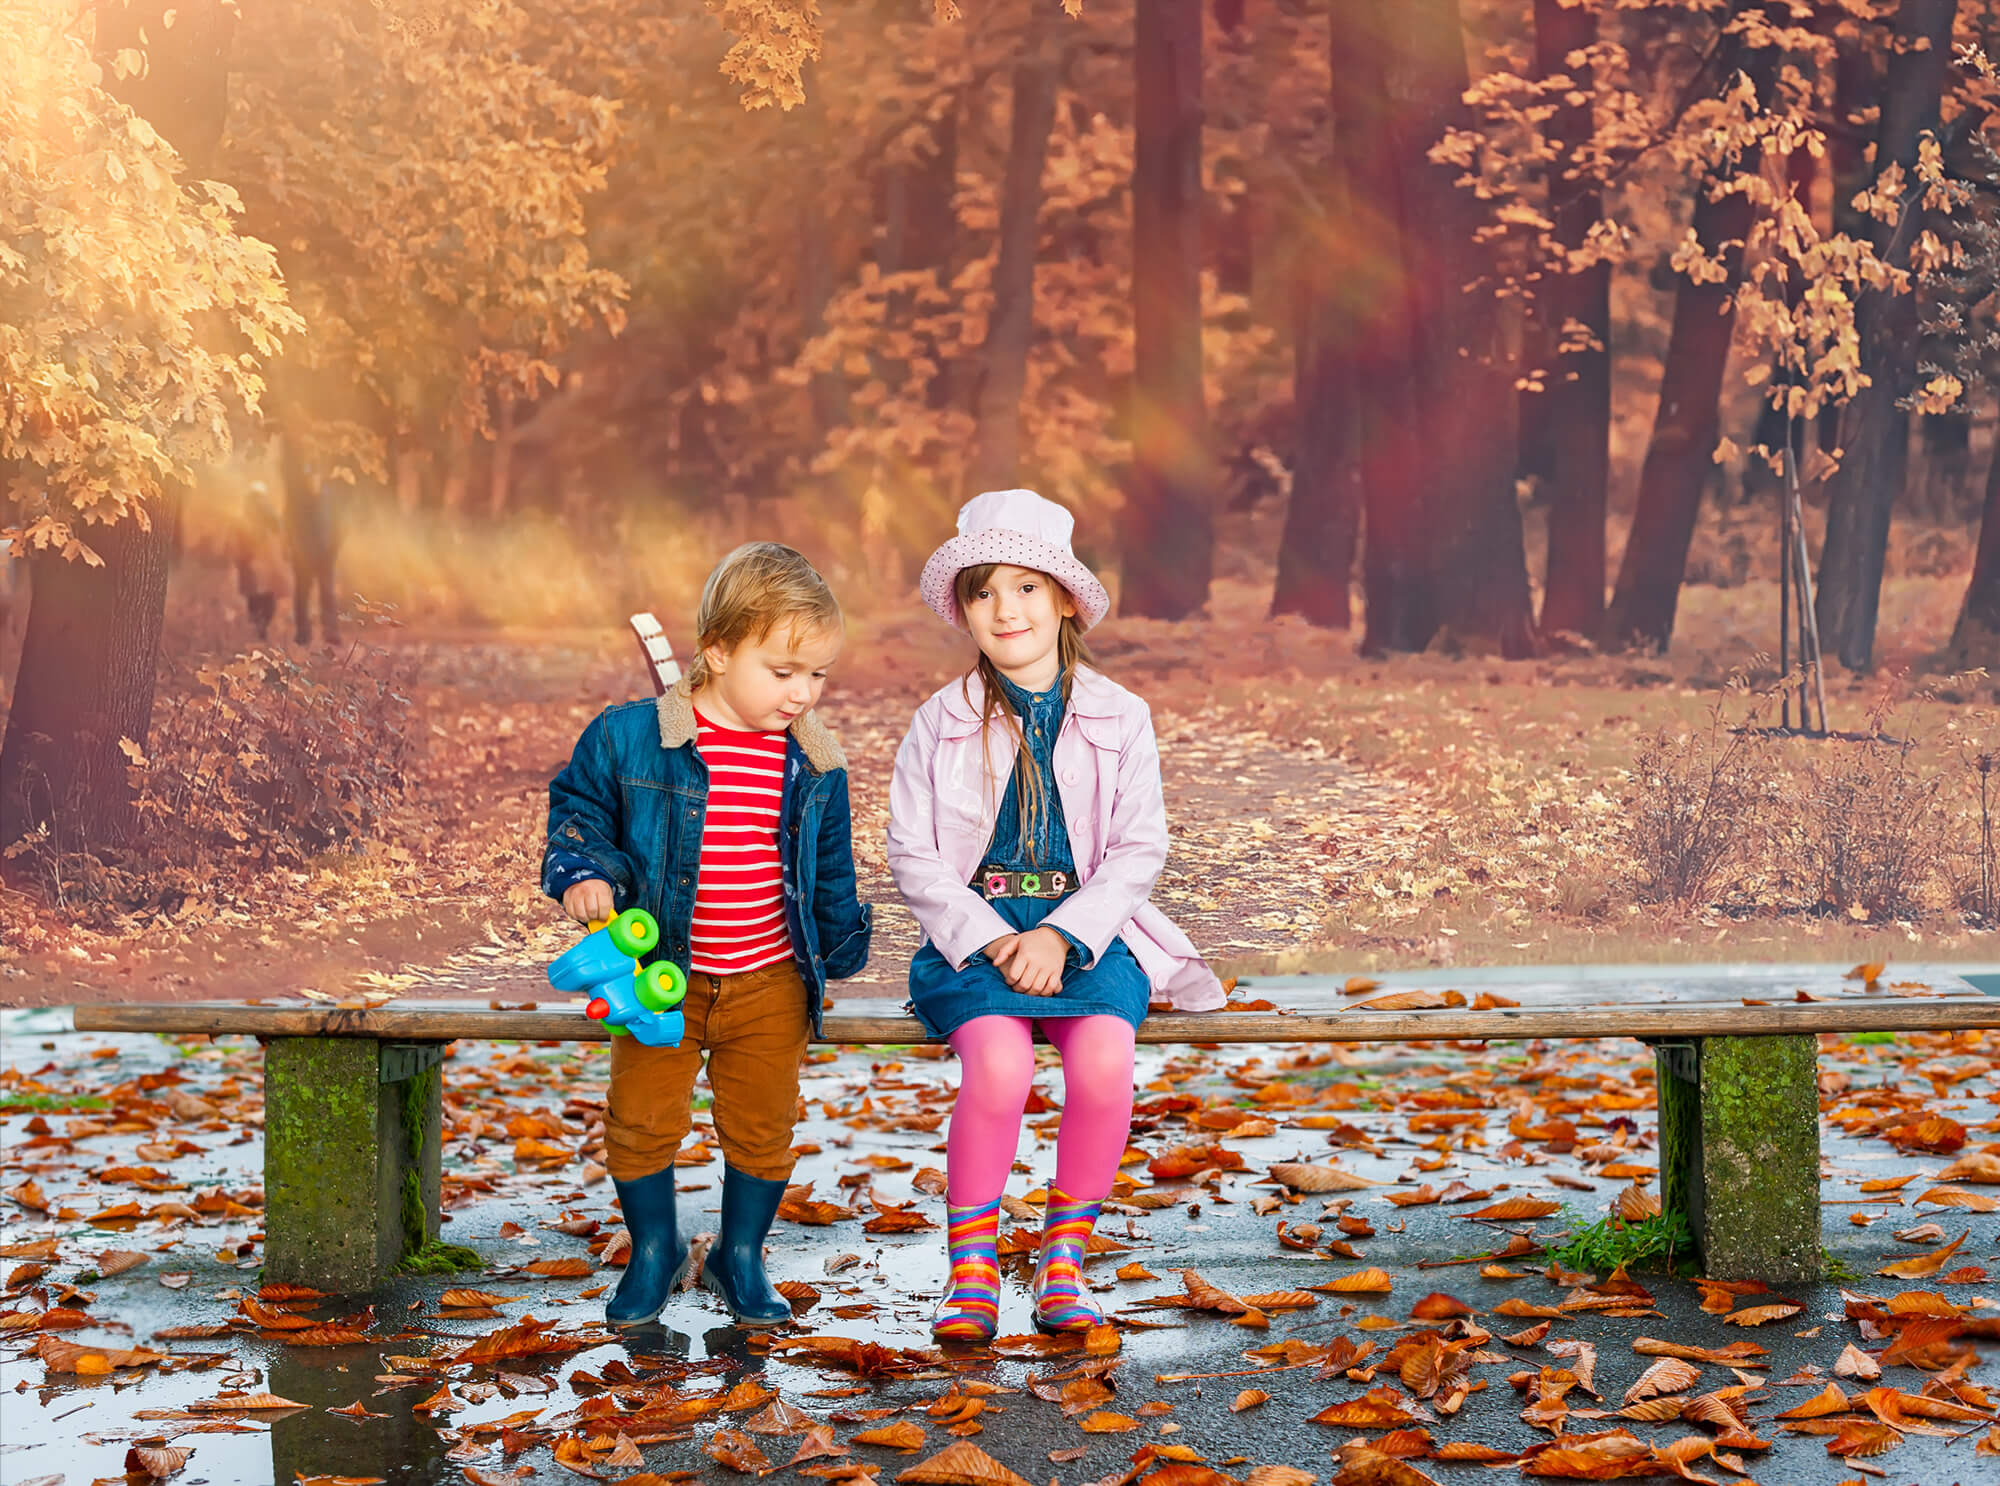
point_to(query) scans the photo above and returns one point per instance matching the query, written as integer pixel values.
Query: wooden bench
(353, 1097)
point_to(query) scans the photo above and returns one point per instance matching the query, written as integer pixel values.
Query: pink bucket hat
(1018, 527)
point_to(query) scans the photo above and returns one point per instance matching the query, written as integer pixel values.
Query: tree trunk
(1464, 453)
(919, 219)
(1947, 475)
(1168, 521)
(500, 469)
(1681, 453)
(90, 649)
(1323, 519)
(1874, 434)
(457, 466)
(1975, 639)
(1010, 326)
(88, 659)
(1578, 397)
(1346, 312)
(1372, 303)
(815, 249)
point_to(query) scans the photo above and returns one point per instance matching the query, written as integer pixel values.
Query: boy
(722, 810)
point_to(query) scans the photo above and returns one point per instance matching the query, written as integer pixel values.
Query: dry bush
(1691, 800)
(256, 762)
(1869, 829)
(274, 757)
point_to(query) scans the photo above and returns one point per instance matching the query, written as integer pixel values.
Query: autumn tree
(422, 183)
(1573, 310)
(136, 313)
(1443, 546)
(1874, 458)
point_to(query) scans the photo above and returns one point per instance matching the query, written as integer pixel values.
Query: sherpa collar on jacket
(677, 726)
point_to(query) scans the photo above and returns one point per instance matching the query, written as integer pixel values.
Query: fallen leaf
(561, 1269)
(1763, 1315)
(1361, 1282)
(1513, 1209)
(961, 1464)
(1921, 1265)
(904, 1434)
(735, 1449)
(246, 1403)
(1306, 1176)
(155, 1461)
(1668, 1375)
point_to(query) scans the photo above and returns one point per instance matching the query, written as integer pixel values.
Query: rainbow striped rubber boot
(970, 1310)
(1060, 1304)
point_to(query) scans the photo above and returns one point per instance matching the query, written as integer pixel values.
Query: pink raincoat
(945, 800)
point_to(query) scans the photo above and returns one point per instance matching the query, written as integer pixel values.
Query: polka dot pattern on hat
(1044, 547)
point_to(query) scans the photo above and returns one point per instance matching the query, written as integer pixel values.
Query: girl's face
(763, 685)
(1016, 620)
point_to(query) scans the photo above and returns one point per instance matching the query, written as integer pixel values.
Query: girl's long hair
(1071, 652)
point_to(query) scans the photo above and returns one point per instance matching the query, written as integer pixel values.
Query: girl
(1026, 828)
(722, 810)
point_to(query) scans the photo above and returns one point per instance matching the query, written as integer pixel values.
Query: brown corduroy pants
(754, 1029)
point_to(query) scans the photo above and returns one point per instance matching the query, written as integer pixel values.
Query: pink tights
(997, 1064)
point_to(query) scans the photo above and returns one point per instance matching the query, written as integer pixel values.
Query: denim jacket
(629, 807)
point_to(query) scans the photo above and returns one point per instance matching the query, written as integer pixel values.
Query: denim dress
(945, 999)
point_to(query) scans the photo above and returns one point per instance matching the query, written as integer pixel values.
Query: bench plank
(1739, 1117)
(1647, 1001)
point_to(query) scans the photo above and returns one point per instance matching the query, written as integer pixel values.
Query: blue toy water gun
(635, 1000)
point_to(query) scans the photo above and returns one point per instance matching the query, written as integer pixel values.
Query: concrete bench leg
(351, 1155)
(1739, 1152)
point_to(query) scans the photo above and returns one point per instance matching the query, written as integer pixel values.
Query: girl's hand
(590, 901)
(1034, 963)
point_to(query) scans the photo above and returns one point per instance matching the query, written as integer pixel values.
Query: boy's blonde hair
(759, 588)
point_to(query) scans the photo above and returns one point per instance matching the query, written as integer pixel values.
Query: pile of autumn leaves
(1407, 1376)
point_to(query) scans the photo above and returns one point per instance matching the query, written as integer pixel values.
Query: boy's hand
(1033, 963)
(590, 901)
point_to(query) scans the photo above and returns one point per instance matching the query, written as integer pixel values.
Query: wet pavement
(94, 1122)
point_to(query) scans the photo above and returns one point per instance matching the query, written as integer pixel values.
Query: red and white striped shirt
(739, 898)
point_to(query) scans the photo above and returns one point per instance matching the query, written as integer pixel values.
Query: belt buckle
(994, 883)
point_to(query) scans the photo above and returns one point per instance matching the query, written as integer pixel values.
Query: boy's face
(762, 685)
(1016, 618)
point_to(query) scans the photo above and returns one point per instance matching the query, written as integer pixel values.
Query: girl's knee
(1097, 1062)
(996, 1065)
(1000, 1077)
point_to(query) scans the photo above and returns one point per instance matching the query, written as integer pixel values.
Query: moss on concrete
(1759, 1167)
(435, 1256)
(321, 1097)
(1680, 1141)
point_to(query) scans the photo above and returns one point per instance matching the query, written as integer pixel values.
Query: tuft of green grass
(53, 1104)
(1837, 1268)
(1870, 1039)
(439, 1257)
(1663, 1243)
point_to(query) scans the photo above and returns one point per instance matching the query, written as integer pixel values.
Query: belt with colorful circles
(992, 883)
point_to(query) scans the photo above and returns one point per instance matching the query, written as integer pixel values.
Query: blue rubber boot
(659, 1260)
(734, 1268)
